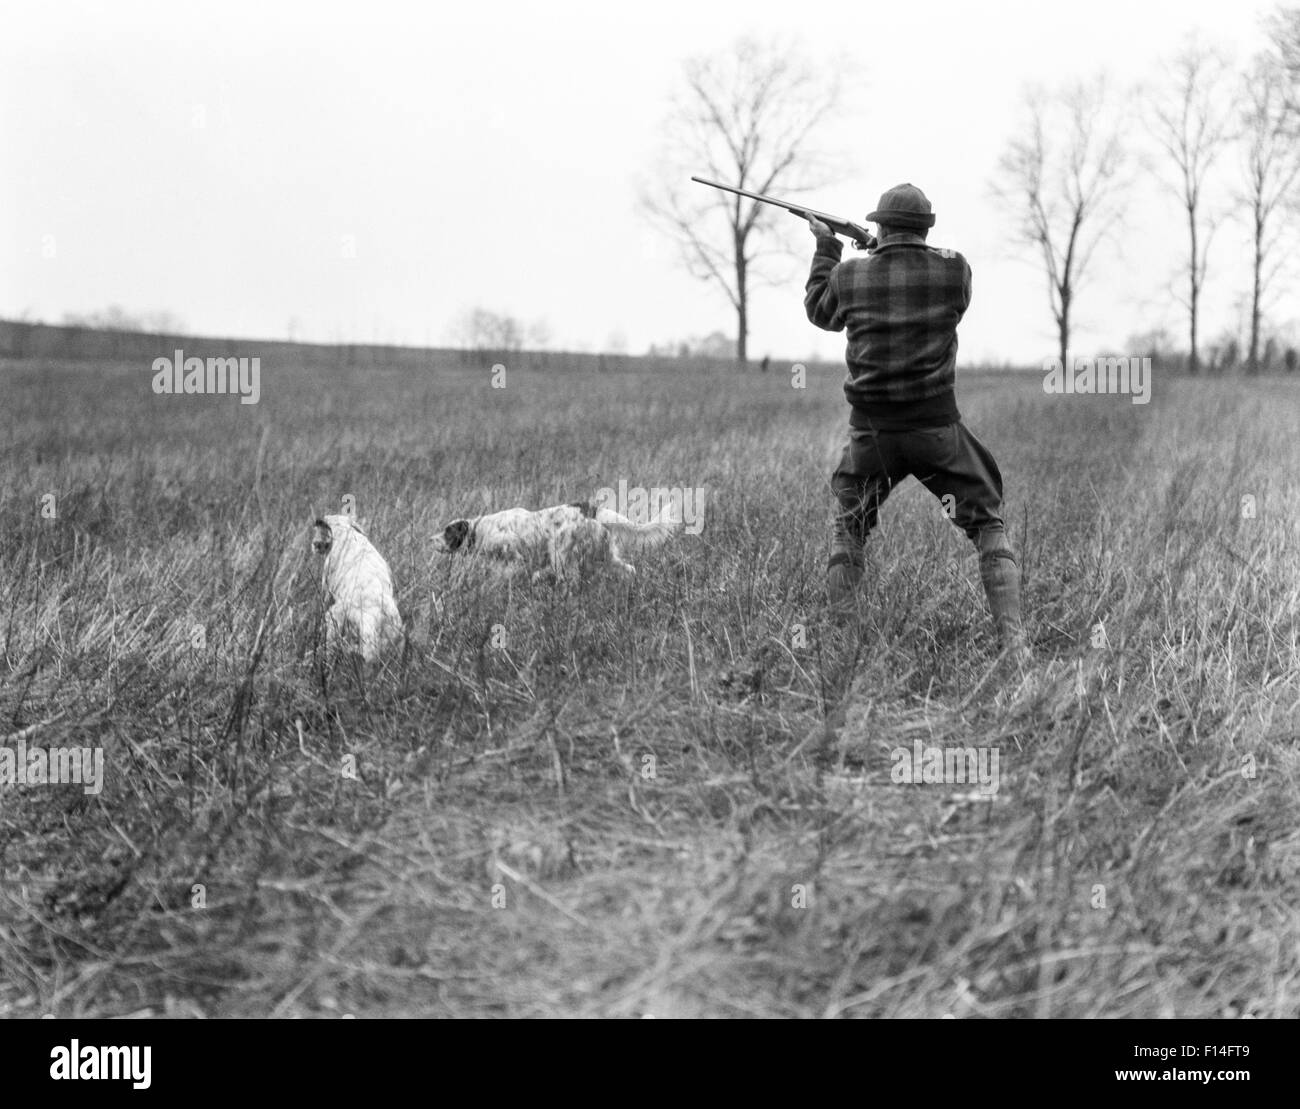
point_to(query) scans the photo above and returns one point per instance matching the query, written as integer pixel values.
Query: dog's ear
(321, 536)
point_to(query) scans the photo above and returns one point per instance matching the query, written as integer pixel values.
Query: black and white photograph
(705, 510)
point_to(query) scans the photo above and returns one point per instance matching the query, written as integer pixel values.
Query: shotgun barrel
(862, 238)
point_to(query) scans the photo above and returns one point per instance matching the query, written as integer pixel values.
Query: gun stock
(862, 238)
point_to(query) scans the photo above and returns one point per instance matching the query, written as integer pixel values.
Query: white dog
(567, 536)
(357, 582)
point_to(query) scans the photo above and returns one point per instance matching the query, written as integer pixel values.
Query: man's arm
(821, 298)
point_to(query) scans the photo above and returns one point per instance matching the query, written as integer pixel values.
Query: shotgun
(862, 238)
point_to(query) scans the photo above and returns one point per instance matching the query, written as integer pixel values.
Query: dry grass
(518, 774)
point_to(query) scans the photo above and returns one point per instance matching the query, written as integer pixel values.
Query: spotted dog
(567, 537)
(359, 586)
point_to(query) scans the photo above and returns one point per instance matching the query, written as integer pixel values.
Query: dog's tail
(651, 534)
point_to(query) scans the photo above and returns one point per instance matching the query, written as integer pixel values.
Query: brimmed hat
(903, 206)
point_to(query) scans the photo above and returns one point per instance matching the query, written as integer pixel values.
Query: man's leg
(861, 483)
(844, 568)
(1001, 578)
(959, 470)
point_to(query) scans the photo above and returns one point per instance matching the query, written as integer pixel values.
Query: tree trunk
(1193, 300)
(742, 306)
(1252, 363)
(1063, 332)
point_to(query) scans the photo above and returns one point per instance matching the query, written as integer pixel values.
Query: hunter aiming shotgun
(862, 238)
(900, 308)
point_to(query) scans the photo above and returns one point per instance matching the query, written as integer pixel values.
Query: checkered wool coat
(900, 306)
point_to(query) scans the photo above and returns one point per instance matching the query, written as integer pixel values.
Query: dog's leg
(391, 627)
(557, 548)
(369, 637)
(557, 557)
(616, 557)
(371, 632)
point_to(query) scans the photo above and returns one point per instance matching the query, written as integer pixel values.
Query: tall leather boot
(843, 576)
(1001, 579)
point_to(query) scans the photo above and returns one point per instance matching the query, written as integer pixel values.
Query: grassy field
(670, 796)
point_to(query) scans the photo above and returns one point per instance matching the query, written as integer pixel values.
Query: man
(901, 305)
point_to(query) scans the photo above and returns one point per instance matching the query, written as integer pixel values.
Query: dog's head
(327, 530)
(322, 537)
(456, 536)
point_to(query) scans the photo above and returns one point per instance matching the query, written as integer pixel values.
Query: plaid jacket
(901, 306)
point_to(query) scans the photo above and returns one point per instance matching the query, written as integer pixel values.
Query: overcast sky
(369, 171)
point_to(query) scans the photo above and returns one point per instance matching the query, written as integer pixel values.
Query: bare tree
(1284, 26)
(1272, 172)
(481, 330)
(1192, 122)
(1064, 180)
(746, 117)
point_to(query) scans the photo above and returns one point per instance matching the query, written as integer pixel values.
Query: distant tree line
(483, 331)
(713, 345)
(116, 318)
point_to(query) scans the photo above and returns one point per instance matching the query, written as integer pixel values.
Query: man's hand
(818, 228)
